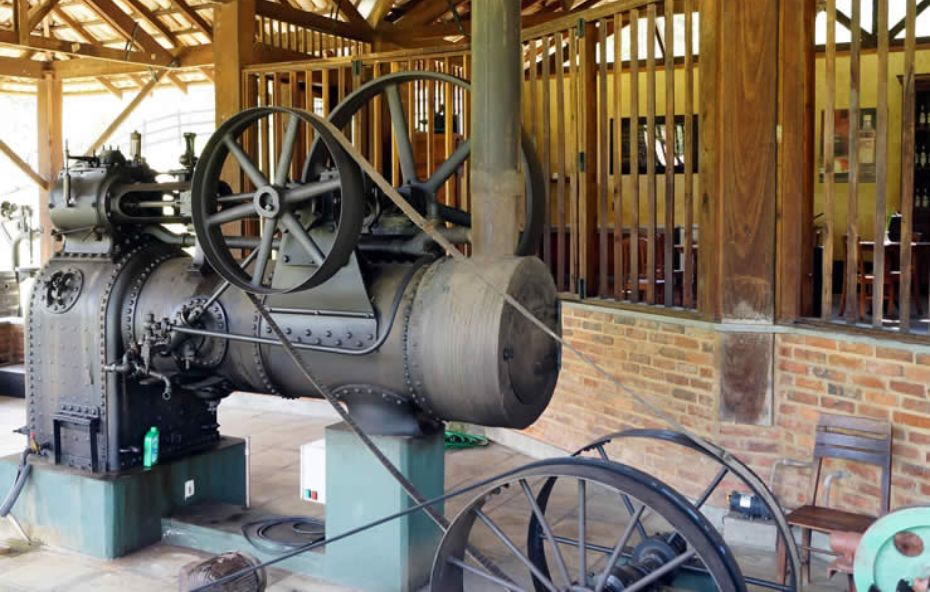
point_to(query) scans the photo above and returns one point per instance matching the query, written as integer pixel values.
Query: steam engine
(142, 319)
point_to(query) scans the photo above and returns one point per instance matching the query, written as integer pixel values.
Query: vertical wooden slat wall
(878, 270)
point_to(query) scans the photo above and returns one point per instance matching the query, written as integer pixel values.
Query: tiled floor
(276, 434)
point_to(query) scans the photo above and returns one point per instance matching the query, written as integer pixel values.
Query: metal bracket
(580, 25)
(582, 161)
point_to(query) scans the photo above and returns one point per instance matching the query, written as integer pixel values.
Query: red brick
(846, 362)
(821, 342)
(868, 381)
(907, 388)
(884, 368)
(917, 421)
(881, 398)
(890, 353)
(794, 367)
(917, 405)
(861, 349)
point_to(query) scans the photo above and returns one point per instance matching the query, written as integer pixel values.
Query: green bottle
(150, 448)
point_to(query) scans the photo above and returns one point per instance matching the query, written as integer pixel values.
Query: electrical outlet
(188, 489)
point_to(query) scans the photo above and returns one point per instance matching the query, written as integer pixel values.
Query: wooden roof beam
(127, 26)
(153, 20)
(23, 166)
(378, 12)
(89, 50)
(350, 11)
(187, 57)
(76, 27)
(426, 13)
(39, 12)
(312, 20)
(194, 18)
(21, 67)
(125, 113)
(110, 87)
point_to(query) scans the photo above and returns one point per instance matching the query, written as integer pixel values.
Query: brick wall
(675, 364)
(11, 342)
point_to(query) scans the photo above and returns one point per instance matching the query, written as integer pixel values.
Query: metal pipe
(497, 74)
(828, 483)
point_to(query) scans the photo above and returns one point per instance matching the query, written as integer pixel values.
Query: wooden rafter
(119, 119)
(39, 12)
(89, 50)
(187, 57)
(312, 20)
(23, 166)
(426, 12)
(900, 25)
(110, 87)
(126, 26)
(194, 18)
(153, 20)
(350, 11)
(378, 12)
(20, 68)
(76, 27)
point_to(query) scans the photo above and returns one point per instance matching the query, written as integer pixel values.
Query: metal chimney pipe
(497, 76)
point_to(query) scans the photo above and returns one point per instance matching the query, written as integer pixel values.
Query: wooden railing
(880, 254)
(603, 236)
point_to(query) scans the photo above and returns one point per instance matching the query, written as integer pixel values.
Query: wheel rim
(591, 480)
(426, 190)
(729, 466)
(288, 211)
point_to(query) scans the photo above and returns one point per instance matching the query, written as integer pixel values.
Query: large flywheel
(311, 222)
(423, 193)
(593, 542)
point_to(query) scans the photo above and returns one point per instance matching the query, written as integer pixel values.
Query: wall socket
(188, 489)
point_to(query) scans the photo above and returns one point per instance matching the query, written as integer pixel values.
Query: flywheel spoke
(660, 573)
(264, 251)
(231, 214)
(287, 150)
(408, 164)
(295, 195)
(248, 165)
(547, 531)
(448, 168)
(582, 532)
(502, 537)
(300, 234)
(618, 549)
(235, 198)
(483, 574)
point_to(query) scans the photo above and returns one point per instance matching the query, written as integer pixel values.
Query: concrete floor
(276, 429)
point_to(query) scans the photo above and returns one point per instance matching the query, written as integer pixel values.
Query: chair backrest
(855, 439)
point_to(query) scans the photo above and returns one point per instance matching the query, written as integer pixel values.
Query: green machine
(894, 553)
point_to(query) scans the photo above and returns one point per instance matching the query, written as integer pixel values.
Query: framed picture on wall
(841, 145)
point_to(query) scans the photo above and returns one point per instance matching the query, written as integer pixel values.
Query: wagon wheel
(590, 536)
(422, 193)
(729, 466)
(313, 222)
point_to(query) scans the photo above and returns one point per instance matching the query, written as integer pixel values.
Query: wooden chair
(891, 280)
(642, 282)
(849, 438)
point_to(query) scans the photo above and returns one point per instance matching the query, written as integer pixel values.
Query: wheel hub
(268, 202)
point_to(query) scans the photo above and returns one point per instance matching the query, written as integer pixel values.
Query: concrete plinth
(393, 557)
(108, 516)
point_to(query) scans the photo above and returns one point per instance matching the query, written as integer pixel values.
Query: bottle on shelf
(922, 119)
(867, 141)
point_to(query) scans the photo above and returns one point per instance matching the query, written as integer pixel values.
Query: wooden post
(233, 48)
(587, 198)
(739, 96)
(739, 178)
(51, 151)
(794, 246)
(233, 42)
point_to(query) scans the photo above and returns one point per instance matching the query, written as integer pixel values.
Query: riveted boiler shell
(471, 356)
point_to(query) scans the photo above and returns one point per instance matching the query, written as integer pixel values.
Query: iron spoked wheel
(728, 467)
(584, 535)
(288, 212)
(423, 192)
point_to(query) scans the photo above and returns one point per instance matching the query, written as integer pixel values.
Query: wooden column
(739, 178)
(587, 160)
(233, 49)
(794, 233)
(739, 95)
(51, 151)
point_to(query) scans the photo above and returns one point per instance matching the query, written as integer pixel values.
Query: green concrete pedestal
(108, 516)
(396, 556)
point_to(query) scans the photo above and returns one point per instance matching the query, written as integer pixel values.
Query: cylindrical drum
(472, 356)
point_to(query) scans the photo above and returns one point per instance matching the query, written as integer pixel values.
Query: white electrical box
(313, 471)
